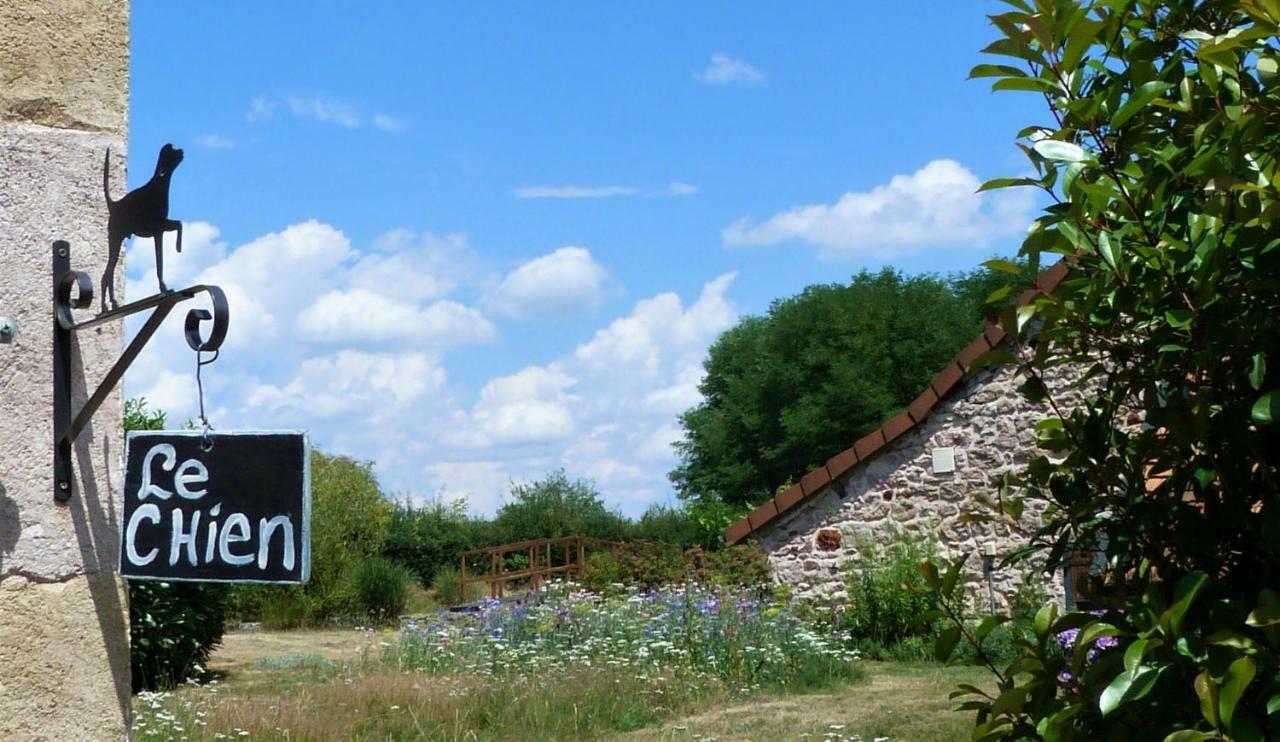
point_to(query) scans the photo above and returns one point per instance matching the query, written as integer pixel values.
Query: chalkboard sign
(235, 507)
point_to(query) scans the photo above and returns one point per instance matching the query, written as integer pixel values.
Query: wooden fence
(533, 561)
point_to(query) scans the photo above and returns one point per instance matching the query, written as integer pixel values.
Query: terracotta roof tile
(1050, 278)
(896, 426)
(737, 531)
(868, 444)
(842, 462)
(763, 514)
(1025, 297)
(972, 351)
(789, 497)
(815, 480)
(946, 379)
(920, 408)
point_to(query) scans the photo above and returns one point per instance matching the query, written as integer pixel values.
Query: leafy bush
(172, 629)
(1160, 157)
(670, 525)
(652, 564)
(350, 520)
(641, 564)
(887, 594)
(556, 506)
(426, 537)
(740, 565)
(447, 585)
(283, 608)
(276, 607)
(381, 588)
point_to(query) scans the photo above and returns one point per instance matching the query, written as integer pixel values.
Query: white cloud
(658, 445)
(273, 284)
(725, 70)
(361, 316)
(386, 122)
(531, 405)
(678, 396)
(679, 189)
(573, 191)
(936, 205)
(372, 386)
(418, 265)
(328, 110)
(270, 279)
(171, 391)
(482, 483)
(660, 332)
(325, 109)
(606, 412)
(261, 108)
(215, 141)
(590, 457)
(566, 281)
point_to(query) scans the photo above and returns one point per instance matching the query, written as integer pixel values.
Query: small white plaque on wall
(944, 460)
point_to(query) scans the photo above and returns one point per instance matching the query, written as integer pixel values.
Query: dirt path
(897, 702)
(247, 650)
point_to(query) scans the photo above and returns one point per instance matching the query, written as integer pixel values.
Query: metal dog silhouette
(144, 212)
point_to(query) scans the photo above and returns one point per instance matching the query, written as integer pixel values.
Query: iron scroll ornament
(74, 290)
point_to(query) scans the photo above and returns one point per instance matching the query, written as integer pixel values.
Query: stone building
(64, 652)
(915, 476)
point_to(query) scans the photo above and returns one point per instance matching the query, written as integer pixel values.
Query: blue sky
(472, 244)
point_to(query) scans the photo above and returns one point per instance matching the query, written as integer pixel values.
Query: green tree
(557, 506)
(350, 520)
(426, 537)
(172, 626)
(786, 391)
(1161, 160)
(667, 524)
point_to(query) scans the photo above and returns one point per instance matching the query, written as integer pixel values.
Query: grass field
(322, 685)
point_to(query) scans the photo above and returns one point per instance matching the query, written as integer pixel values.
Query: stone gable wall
(990, 427)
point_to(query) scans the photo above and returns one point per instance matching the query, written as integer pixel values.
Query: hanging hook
(221, 316)
(206, 440)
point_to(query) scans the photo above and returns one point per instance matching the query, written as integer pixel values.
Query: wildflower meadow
(734, 636)
(559, 662)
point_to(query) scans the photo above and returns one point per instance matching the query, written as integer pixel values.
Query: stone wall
(990, 429)
(64, 654)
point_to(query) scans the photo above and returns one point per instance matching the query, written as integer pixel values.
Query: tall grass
(584, 704)
(447, 584)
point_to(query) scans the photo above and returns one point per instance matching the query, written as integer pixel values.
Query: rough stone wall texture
(65, 63)
(990, 428)
(64, 655)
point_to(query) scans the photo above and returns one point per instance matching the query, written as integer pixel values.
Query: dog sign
(227, 507)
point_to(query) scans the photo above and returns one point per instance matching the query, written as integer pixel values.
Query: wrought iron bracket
(74, 290)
